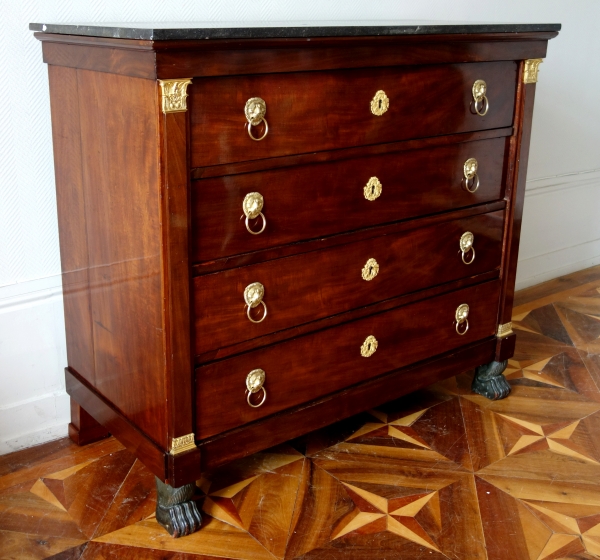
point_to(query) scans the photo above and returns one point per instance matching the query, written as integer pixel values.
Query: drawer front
(312, 201)
(319, 284)
(314, 111)
(308, 367)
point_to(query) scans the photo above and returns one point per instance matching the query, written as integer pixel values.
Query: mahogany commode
(265, 230)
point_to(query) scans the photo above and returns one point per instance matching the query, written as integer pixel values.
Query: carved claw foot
(489, 381)
(175, 509)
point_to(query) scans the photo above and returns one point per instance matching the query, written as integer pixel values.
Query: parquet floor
(438, 474)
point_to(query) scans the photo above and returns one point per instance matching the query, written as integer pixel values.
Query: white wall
(561, 231)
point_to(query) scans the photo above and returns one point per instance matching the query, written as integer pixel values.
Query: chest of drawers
(266, 230)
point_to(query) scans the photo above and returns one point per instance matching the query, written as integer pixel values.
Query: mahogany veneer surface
(327, 198)
(329, 110)
(441, 473)
(156, 256)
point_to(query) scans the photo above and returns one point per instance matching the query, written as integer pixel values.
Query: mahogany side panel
(121, 184)
(315, 200)
(517, 199)
(70, 199)
(316, 111)
(115, 422)
(296, 422)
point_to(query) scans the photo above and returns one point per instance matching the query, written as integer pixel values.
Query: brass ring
(475, 183)
(262, 401)
(466, 322)
(472, 258)
(264, 314)
(486, 103)
(261, 229)
(265, 133)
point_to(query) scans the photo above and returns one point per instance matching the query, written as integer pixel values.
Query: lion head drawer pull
(370, 270)
(471, 180)
(369, 346)
(466, 246)
(373, 189)
(252, 206)
(255, 381)
(380, 103)
(253, 296)
(481, 101)
(255, 111)
(462, 321)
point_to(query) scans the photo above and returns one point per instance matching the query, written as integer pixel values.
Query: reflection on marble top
(278, 29)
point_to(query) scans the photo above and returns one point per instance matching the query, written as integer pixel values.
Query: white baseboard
(561, 227)
(542, 268)
(34, 421)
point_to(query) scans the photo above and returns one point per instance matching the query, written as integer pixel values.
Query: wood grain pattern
(317, 200)
(405, 336)
(347, 153)
(419, 97)
(70, 202)
(119, 146)
(83, 429)
(174, 59)
(315, 285)
(308, 245)
(517, 197)
(175, 221)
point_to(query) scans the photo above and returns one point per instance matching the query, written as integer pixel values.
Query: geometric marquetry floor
(441, 473)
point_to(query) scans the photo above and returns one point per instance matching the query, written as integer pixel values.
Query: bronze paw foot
(489, 381)
(175, 509)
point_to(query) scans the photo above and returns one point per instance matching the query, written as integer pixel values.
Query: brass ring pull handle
(380, 103)
(372, 189)
(253, 296)
(462, 321)
(255, 381)
(471, 180)
(255, 111)
(466, 246)
(252, 206)
(482, 104)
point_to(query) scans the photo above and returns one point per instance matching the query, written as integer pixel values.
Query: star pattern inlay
(538, 436)
(374, 514)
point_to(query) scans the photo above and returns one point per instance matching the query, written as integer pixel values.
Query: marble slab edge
(154, 32)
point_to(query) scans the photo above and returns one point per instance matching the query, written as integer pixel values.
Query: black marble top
(264, 30)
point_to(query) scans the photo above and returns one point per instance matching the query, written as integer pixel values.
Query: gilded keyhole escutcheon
(369, 346)
(380, 103)
(370, 270)
(373, 188)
